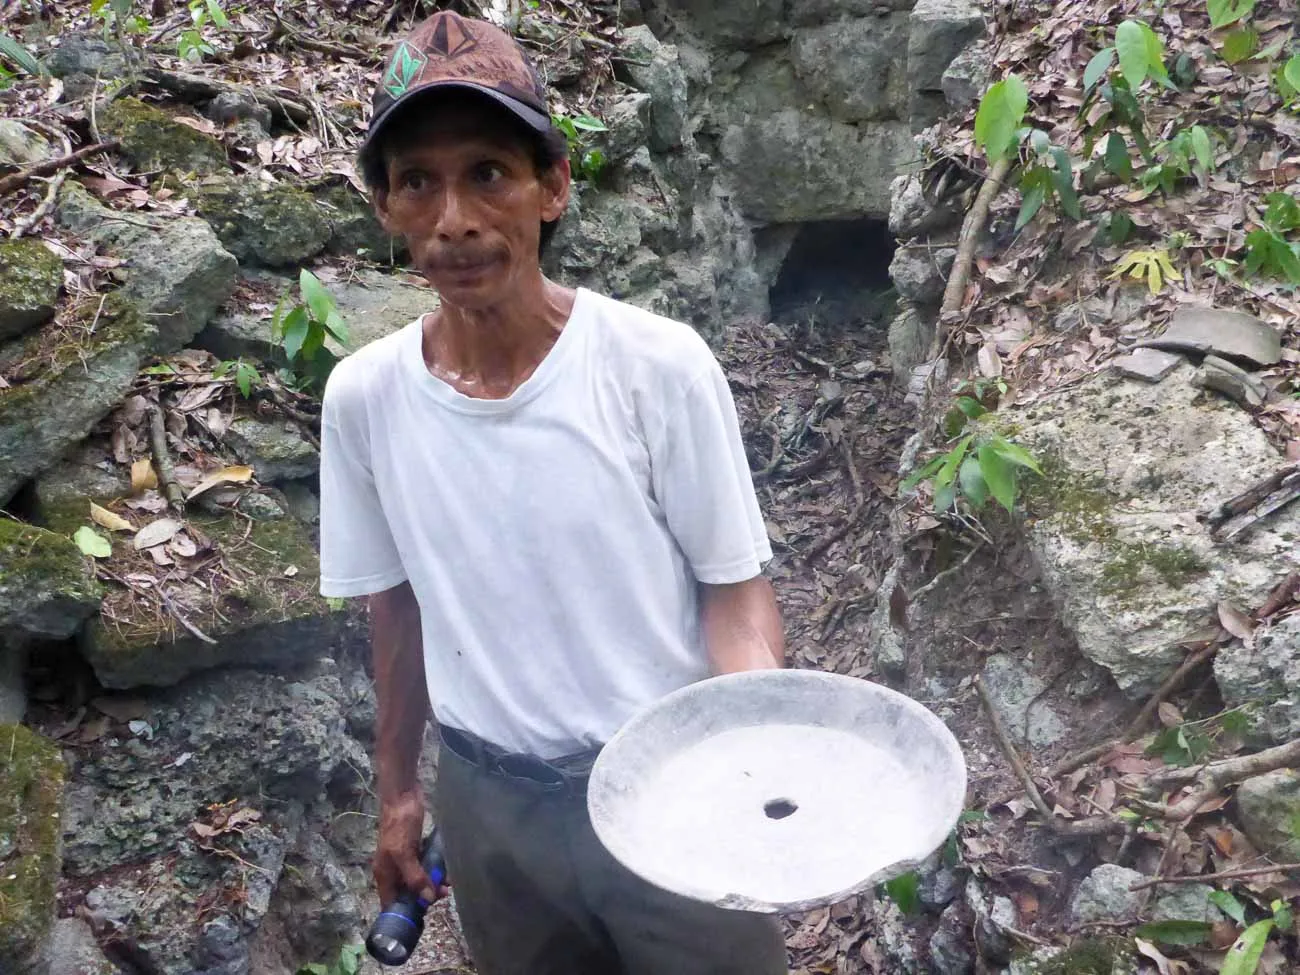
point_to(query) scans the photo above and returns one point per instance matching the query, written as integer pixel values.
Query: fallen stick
(1198, 878)
(162, 459)
(195, 88)
(1009, 750)
(1257, 502)
(1213, 777)
(19, 179)
(1285, 592)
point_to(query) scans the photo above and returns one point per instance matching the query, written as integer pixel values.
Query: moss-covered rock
(1087, 956)
(275, 451)
(273, 225)
(30, 278)
(63, 379)
(152, 140)
(264, 612)
(31, 799)
(1269, 810)
(354, 229)
(46, 587)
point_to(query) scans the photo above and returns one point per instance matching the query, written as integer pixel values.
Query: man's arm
(742, 626)
(403, 709)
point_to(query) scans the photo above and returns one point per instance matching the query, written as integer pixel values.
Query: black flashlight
(397, 930)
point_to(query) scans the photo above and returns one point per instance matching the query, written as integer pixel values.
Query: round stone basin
(777, 790)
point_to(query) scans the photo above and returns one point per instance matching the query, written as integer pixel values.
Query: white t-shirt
(553, 538)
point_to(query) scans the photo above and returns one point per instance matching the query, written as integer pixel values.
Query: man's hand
(742, 626)
(397, 856)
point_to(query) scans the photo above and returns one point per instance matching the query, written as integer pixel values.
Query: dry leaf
(108, 519)
(227, 475)
(156, 533)
(183, 546)
(1170, 716)
(204, 831)
(290, 572)
(989, 362)
(143, 477)
(159, 555)
(1236, 622)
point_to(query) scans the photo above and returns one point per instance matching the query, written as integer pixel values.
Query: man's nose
(459, 218)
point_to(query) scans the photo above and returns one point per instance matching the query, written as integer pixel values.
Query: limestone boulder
(1018, 694)
(63, 379)
(20, 145)
(354, 229)
(1268, 808)
(177, 272)
(920, 274)
(1113, 524)
(80, 58)
(1106, 894)
(734, 25)
(810, 13)
(938, 31)
(656, 70)
(31, 799)
(30, 279)
(1264, 679)
(47, 589)
(274, 225)
(275, 450)
(966, 79)
(153, 140)
(73, 949)
(911, 214)
(854, 67)
(909, 339)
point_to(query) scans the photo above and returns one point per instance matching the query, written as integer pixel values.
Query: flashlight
(397, 930)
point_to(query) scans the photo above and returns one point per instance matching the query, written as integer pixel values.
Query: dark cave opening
(835, 272)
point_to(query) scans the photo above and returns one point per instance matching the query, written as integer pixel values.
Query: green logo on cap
(405, 67)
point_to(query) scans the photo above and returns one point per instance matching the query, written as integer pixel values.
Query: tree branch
(19, 179)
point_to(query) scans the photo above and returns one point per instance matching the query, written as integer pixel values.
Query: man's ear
(556, 184)
(379, 198)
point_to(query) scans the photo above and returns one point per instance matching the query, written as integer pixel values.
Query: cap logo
(452, 38)
(405, 67)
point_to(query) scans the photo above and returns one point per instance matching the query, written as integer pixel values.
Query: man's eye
(413, 181)
(488, 173)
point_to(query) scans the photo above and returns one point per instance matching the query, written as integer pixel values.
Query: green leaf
(999, 115)
(317, 298)
(92, 543)
(1156, 55)
(1283, 212)
(1121, 225)
(919, 475)
(1225, 12)
(314, 342)
(1291, 72)
(163, 369)
(1015, 453)
(337, 327)
(1175, 932)
(245, 376)
(1097, 67)
(14, 52)
(1063, 179)
(313, 969)
(295, 327)
(999, 476)
(1202, 148)
(1282, 916)
(218, 15)
(1117, 158)
(905, 891)
(951, 459)
(972, 483)
(1243, 957)
(1033, 186)
(1229, 905)
(1134, 57)
(589, 123)
(972, 407)
(1240, 45)
(945, 497)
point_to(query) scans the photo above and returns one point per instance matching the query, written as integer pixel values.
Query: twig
(1193, 878)
(1009, 750)
(162, 459)
(1213, 777)
(951, 570)
(830, 538)
(180, 618)
(25, 225)
(197, 88)
(19, 179)
(1279, 597)
(955, 293)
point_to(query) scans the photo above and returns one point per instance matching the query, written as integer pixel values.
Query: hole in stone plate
(836, 271)
(780, 808)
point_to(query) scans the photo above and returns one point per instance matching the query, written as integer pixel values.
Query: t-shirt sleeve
(702, 482)
(357, 553)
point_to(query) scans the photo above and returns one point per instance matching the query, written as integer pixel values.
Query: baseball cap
(448, 51)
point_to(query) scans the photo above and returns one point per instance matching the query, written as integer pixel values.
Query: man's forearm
(400, 690)
(742, 626)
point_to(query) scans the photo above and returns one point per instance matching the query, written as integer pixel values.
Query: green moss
(152, 140)
(30, 279)
(31, 796)
(354, 228)
(35, 560)
(1092, 956)
(276, 225)
(1080, 505)
(1130, 566)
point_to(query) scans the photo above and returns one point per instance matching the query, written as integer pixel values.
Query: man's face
(465, 193)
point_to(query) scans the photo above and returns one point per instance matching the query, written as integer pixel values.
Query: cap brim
(535, 120)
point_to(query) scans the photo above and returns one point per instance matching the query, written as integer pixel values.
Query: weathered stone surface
(808, 13)
(1265, 680)
(275, 225)
(21, 146)
(628, 122)
(1148, 365)
(372, 304)
(73, 950)
(939, 30)
(1268, 807)
(177, 273)
(263, 617)
(911, 214)
(152, 140)
(966, 79)
(1013, 688)
(1229, 334)
(81, 377)
(13, 683)
(797, 165)
(910, 335)
(84, 472)
(1104, 895)
(921, 273)
(655, 69)
(46, 587)
(951, 950)
(1231, 380)
(31, 796)
(275, 451)
(854, 67)
(744, 24)
(1093, 956)
(1113, 526)
(79, 58)
(354, 229)
(30, 279)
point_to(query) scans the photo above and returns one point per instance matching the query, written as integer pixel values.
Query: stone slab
(30, 280)
(1148, 365)
(1013, 689)
(1231, 380)
(47, 589)
(275, 450)
(1231, 334)
(1264, 678)
(1269, 812)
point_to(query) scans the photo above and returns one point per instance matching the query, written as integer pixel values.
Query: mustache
(462, 259)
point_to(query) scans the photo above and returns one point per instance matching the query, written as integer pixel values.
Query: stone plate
(777, 791)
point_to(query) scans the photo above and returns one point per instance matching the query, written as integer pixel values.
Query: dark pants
(538, 894)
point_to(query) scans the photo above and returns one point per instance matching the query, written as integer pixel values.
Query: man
(544, 494)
